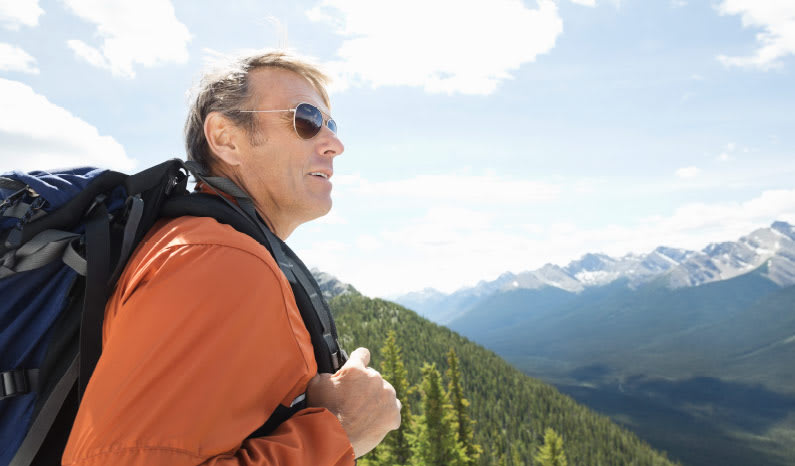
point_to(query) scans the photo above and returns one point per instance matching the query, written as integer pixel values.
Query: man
(202, 338)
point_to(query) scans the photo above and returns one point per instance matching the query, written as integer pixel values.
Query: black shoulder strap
(149, 188)
(314, 310)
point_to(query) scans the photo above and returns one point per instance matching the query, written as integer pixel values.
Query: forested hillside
(511, 410)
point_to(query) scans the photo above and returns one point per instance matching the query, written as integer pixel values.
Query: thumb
(359, 357)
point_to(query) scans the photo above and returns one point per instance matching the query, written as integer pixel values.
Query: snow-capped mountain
(772, 247)
(771, 250)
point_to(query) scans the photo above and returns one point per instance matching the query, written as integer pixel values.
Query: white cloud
(465, 189)
(443, 46)
(678, 3)
(145, 32)
(40, 135)
(447, 248)
(776, 18)
(13, 58)
(89, 54)
(730, 148)
(584, 2)
(694, 225)
(16, 13)
(688, 172)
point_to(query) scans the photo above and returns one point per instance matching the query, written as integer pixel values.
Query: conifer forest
(463, 405)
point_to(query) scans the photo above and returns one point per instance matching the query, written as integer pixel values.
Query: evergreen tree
(461, 407)
(509, 407)
(516, 455)
(435, 442)
(551, 452)
(395, 449)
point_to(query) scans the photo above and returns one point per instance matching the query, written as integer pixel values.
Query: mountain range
(692, 350)
(676, 344)
(773, 247)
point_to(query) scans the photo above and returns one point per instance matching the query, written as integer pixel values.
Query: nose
(329, 144)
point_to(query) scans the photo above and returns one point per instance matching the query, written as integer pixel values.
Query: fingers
(398, 418)
(360, 356)
(390, 390)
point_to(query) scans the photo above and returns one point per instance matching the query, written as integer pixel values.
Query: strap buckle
(17, 196)
(14, 238)
(17, 382)
(97, 201)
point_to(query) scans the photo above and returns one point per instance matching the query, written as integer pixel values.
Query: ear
(222, 138)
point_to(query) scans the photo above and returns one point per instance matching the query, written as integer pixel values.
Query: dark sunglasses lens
(308, 121)
(332, 125)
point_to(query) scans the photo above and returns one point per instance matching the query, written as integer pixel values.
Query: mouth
(323, 175)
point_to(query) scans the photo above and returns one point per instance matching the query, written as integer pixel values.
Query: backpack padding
(210, 205)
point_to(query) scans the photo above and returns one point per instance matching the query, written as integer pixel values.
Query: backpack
(65, 238)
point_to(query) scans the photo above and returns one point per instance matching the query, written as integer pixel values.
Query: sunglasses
(307, 119)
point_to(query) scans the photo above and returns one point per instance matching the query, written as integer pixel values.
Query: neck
(268, 214)
(280, 229)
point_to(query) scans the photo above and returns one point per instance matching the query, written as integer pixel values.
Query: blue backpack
(65, 237)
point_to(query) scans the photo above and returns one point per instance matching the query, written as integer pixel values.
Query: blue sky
(481, 137)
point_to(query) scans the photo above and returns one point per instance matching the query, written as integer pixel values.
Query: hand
(361, 399)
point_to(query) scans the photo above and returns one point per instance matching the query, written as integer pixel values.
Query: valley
(692, 350)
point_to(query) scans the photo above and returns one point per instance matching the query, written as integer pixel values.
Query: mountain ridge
(773, 247)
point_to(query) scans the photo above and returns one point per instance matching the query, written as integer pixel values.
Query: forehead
(272, 88)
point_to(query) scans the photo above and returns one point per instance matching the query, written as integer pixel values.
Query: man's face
(277, 165)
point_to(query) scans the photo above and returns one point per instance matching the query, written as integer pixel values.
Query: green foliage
(551, 452)
(511, 410)
(461, 406)
(436, 441)
(395, 449)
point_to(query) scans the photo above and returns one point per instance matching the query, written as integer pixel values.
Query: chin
(321, 210)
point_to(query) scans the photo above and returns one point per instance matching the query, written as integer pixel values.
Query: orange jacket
(202, 340)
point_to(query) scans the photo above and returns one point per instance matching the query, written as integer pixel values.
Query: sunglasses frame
(325, 121)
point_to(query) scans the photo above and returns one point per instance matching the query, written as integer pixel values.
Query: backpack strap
(315, 312)
(45, 418)
(97, 273)
(324, 343)
(314, 309)
(151, 186)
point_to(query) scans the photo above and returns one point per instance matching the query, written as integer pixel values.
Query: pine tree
(516, 455)
(461, 407)
(551, 452)
(435, 442)
(395, 449)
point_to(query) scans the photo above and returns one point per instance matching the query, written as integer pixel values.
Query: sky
(480, 136)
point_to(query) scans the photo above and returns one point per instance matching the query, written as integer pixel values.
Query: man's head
(284, 174)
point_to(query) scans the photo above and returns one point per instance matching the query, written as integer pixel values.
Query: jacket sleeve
(198, 350)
